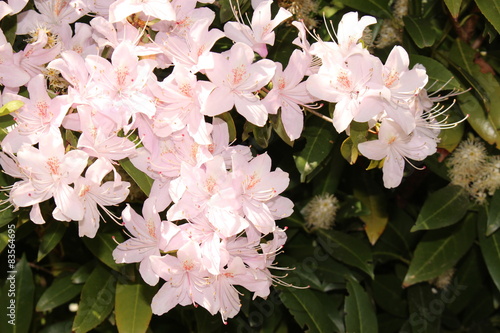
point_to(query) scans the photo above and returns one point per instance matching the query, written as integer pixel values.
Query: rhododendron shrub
(160, 156)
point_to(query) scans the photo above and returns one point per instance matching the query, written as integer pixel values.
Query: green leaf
(10, 107)
(397, 241)
(442, 208)
(478, 119)
(9, 27)
(453, 7)
(349, 151)
(439, 250)
(226, 116)
(133, 307)
(450, 138)
(423, 317)
(493, 214)
(420, 30)
(378, 8)
(491, 10)
(51, 237)
(17, 298)
(226, 13)
(83, 273)
(97, 301)
(376, 221)
(308, 311)
(141, 179)
(262, 135)
(319, 135)
(360, 314)
(490, 247)
(103, 245)
(347, 249)
(485, 84)
(388, 294)
(440, 78)
(279, 128)
(59, 292)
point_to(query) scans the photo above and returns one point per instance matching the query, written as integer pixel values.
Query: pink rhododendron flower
(236, 78)
(261, 31)
(395, 146)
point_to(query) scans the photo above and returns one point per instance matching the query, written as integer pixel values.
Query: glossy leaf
(453, 7)
(319, 136)
(18, 293)
(490, 248)
(103, 245)
(420, 30)
(82, 274)
(439, 250)
(62, 290)
(485, 85)
(378, 8)
(360, 314)
(307, 309)
(491, 10)
(493, 214)
(97, 300)
(440, 78)
(347, 249)
(133, 307)
(442, 208)
(479, 121)
(141, 179)
(51, 237)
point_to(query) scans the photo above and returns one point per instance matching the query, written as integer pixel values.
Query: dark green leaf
(440, 78)
(388, 294)
(420, 30)
(442, 208)
(467, 281)
(348, 249)
(490, 247)
(439, 250)
(141, 179)
(51, 237)
(493, 214)
(59, 292)
(103, 245)
(491, 10)
(397, 241)
(82, 274)
(17, 298)
(307, 309)
(319, 135)
(379, 8)
(133, 307)
(453, 7)
(425, 309)
(360, 314)
(97, 300)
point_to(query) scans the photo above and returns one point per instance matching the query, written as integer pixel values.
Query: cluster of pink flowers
(221, 202)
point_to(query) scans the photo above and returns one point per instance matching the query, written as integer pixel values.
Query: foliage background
(381, 268)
